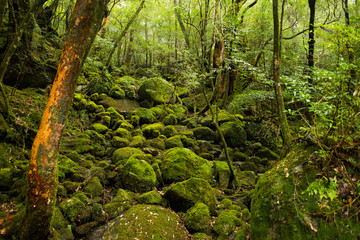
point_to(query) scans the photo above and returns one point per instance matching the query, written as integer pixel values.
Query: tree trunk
(181, 24)
(129, 51)
(147, 44)
(203, 25)
(311, 41)
(122, 34)
(42, 170)
(284, 126)
(2, 11)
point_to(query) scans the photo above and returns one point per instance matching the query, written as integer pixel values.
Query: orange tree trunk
(41, 175)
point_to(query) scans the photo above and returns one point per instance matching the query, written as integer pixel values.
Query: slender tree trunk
(311, 40)
(351, 55)
(42, 170)
(2, 11)
(284, 126)
(122, 34)
(147, 44)
(203, 30)
(181, 24)
(129, 51)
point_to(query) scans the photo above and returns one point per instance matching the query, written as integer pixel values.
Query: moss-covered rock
(120, 105)
(94, 187)
(114, 209)
(99, 128)
(121, 155)
(184, 195)
(97, 212)
(123, 133)
(156, 90)
(153, 130)
(137, 141)
(119, 142)
(72, 208)
(58, 220)
(146, 222)
(138, 176)
(248, 166)
(226, 223)
(170, 119)
(144, 115)
(197, 219)
(279, 212)
(174, 142)
(222, 174)
(159, 112)
(265, 152)
(169, 131)
(180, 164)
(234, 133)
(201, 236)
(157, 143)
(117, 93)
(152, 197)
(66, 166)
(239, 156)
(204, 133)
(123, 196)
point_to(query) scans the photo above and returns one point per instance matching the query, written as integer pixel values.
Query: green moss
(138, 176)
(159, 112)
(239, 156)
(151, 197)
(66, 166)
(99, 128)
(145, 115)
(157, 90)
(137, 141)
(157, 143)
(153, 130)
(117, 93)
(58, 220)
(169, 131)
(265, 152)
(226, 203)
(123, 133)
(97, 212)
(114, 114)
(94, 187)
(180, 164)
(170, 119)
(234, 133)
(128, 126)
(119, 142)
(114, 209)
(197, 219)
(201, 236)
(204, 133)
(186, 194)
(121, 155)
(6, 178)
(222, 174)
(123, 196)
(146, 222)
(174, 141)
(82, 197)
(72, 208)
(226, 223)
(70, 187)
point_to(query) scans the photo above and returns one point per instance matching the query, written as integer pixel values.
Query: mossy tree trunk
(2, 11)
(284, 126)
(311, 40)
(181, 23)
(42, 170)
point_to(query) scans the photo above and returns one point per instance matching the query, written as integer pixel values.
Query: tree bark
(122, 34)
(129, 50)
(311, 40)
(2, 11)
(284, 126)
(42, 170)
(350, 51)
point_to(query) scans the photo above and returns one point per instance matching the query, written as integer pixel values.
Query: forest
(179, 119)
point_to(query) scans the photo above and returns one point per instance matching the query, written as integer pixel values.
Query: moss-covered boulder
(121, 155)
(204, 133)
(169, 131)
(180, 164)
(72, 208)
(156, 90)
(281, 208)
(119, 142)
(120, 105)
(146, 222)
(116, 92)
(137, 141)
(197, 219)
(226, 223)
(66, 166)
(99, 128)
(234, 133)
(222, 174)
(152, 197)
(138, 176)
(123, 133)
(184, 195)
(170, 119)
(174, 142)
(153, 130)
(94, 187)
(159, 111)
(144, 116)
